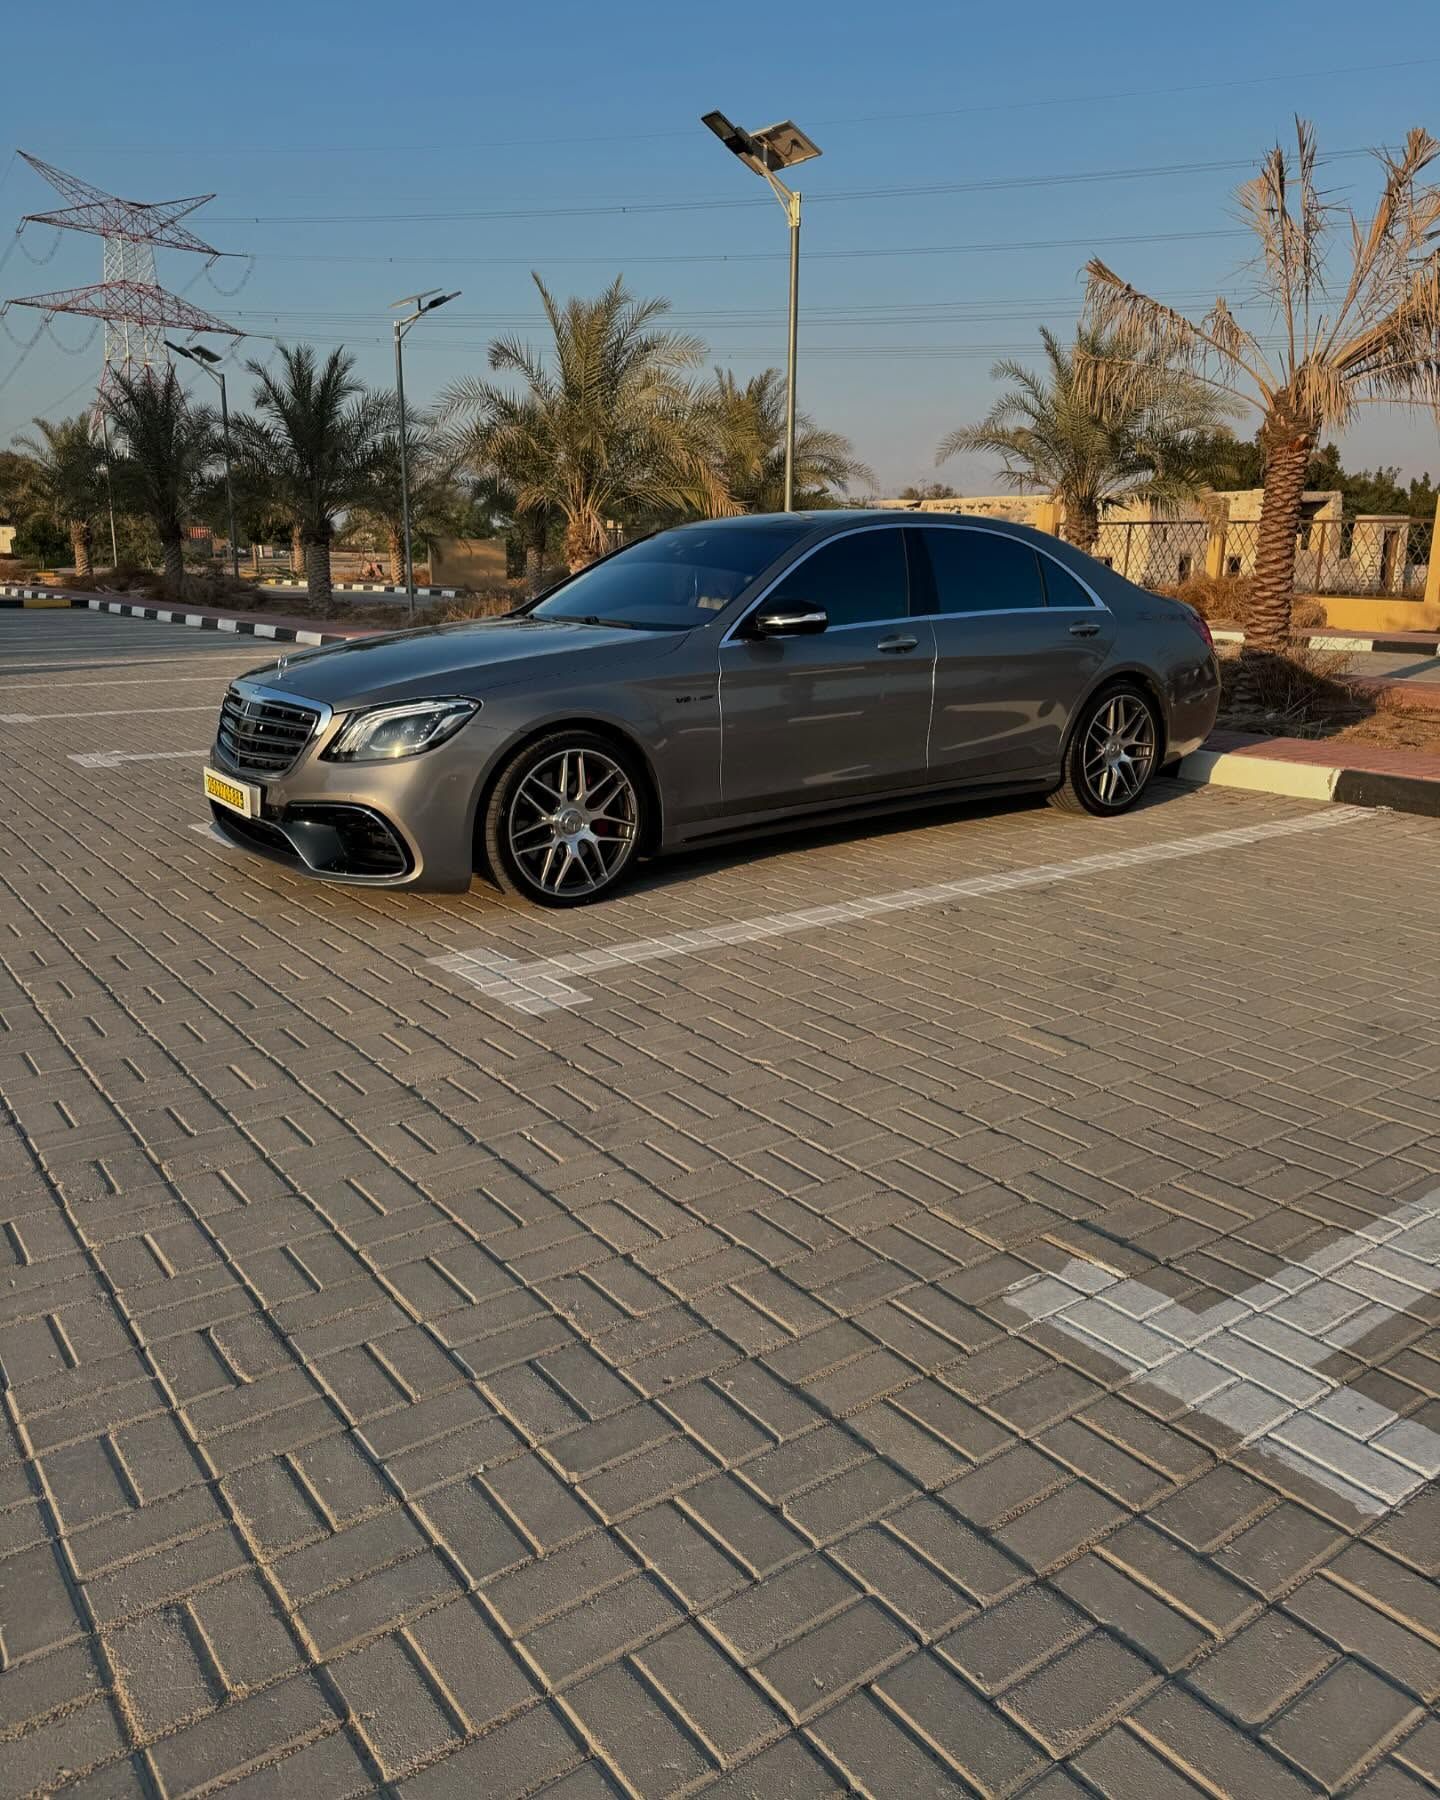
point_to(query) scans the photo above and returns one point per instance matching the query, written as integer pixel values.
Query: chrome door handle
(1084, 631)
(893, 646)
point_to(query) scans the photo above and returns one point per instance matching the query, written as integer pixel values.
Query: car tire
(1113, 753)
(583, 847)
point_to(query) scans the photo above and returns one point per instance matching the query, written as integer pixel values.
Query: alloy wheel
(1119, 750)
(572, 822)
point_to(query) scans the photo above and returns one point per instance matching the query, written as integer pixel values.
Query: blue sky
(328, 131)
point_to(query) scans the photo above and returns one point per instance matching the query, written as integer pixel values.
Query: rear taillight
(1200, 626)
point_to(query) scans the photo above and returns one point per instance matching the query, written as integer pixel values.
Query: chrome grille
(263, 737)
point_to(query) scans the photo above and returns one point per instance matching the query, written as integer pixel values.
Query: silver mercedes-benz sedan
(708, 682)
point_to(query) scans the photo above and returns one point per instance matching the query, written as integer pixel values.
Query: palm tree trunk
(536, 533)
(1082, 525)
(580, 547)
(297, 551)
(1287, 456)
(1287, 445)
(80, 545)
(174, 579)
(317, 573)
(395, 552)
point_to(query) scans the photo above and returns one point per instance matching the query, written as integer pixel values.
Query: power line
(606, 209)
(765, 256)
(939, 313)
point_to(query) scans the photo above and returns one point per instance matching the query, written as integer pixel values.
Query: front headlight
(386, 732)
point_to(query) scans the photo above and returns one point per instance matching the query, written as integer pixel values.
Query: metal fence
(1155, 553)
(1332, 556)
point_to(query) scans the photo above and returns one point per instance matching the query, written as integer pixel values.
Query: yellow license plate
(240, 796)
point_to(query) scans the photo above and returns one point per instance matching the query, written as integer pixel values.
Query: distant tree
(61, 479)
(1089, 442)
(437, 501)
(313, 445)
(1372, 337)
(928, 490)
(750, 418)
(167, 447)
(35, 537)
(1228, 463)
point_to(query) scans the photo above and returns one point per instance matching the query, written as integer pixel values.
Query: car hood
(472, 657)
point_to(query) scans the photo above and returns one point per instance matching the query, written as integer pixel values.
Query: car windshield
(676, 579)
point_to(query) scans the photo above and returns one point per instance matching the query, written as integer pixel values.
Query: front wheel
(564, 820)
(1112, 754)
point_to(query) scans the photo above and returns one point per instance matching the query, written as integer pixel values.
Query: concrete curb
(32, 597)
(1311, 781)
(367, 587)
(1319, 640)
(163, 615)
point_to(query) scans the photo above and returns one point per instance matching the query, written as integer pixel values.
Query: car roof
(819, 517)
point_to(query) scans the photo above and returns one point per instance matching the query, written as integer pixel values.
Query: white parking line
(110, 759)
(1252, 1363)
(539, 987)
(114, 712)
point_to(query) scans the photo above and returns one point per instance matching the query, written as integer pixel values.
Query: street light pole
(399, 331)
(110, 491)
(777, 147)
(793, 209)
(206, 359)
(229, 485)
(423, 303)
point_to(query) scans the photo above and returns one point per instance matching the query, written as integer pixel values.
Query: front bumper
(406, 823)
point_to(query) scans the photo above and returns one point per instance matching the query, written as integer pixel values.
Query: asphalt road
(938, 1309)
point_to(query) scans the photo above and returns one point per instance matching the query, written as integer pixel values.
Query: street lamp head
(786, 144)
(196, 353)
(441, 300)
(776, 147)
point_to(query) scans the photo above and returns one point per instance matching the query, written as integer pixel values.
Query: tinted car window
(857, 578)
(676, 579)
(980, 571)
(1061, 587)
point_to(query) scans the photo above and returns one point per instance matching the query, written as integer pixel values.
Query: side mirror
(789, 621)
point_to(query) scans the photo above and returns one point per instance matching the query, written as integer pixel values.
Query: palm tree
(605, 425)
(168, 445)
(750, 418)
(1376, 339)
(62, 480)
(315, 441)
(1088, 444)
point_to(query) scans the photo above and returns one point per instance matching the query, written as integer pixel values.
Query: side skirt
(812, 818)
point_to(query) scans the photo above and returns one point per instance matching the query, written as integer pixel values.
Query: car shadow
(662, 872)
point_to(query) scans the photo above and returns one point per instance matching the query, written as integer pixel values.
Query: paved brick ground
(404, 1394)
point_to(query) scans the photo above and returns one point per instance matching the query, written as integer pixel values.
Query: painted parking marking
(111, 759)
(1252, 1363)
(543, 986)
(113, 712)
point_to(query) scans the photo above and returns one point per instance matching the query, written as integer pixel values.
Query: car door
(1018, 642)
(841, 713)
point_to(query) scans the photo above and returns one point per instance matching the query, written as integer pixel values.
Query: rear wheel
(565, 820)
(1112, 755)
